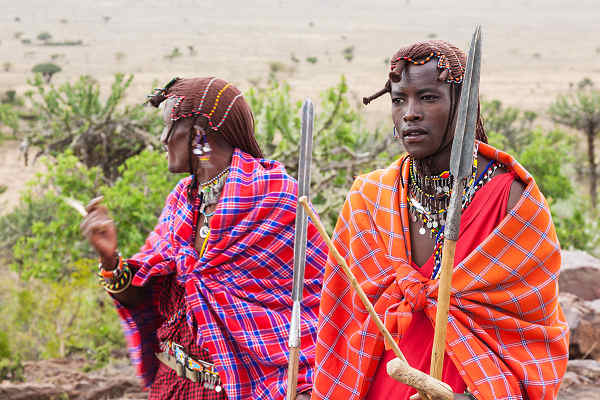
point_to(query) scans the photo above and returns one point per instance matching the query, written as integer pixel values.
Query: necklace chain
(210, 193)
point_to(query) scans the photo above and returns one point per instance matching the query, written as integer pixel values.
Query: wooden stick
(408, 375)
(402, 372)
(441, 316)
(292, 380)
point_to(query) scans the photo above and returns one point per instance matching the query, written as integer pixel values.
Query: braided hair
(216, 106)
(451, 62)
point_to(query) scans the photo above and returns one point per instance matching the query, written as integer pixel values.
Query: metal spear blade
(461, 158)
(305, 159)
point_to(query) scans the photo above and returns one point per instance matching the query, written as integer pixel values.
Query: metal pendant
(204, 231)
(422, 231)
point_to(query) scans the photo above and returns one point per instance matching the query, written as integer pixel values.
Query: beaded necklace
(432, 215)
(210, 192)
(429, 196)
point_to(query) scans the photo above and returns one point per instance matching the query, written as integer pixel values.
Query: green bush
(342, 149)
(43, 232)
(544, 155)
(44, 36)
(100, 132)
(548, 156)
(59, 309)
(47, 70)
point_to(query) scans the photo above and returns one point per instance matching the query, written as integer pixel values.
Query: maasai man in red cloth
(206, 304)
(507, 337)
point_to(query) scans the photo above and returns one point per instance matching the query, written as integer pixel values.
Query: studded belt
(175, 357)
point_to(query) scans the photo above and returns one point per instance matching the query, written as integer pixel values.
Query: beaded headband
(162, 90)
(214, 125)
(442, 64)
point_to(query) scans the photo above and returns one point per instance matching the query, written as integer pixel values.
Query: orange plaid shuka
(507, 334)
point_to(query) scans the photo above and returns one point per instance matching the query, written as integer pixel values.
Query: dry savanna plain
(533, 49)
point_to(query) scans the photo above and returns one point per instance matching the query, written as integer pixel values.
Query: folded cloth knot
(415, 293)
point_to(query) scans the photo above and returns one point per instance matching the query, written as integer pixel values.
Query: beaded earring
(395, 133)
(200, 147)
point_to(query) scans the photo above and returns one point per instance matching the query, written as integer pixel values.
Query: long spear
(461, 161)
(304, 161)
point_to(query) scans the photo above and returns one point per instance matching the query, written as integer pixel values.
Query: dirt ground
(533, 49)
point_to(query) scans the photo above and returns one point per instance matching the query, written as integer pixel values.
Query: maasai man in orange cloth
(507, 337)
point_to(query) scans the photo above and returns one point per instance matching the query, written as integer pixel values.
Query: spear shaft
(461, 161)
(300, 237)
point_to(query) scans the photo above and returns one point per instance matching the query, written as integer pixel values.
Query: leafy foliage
(61, 310)
(542, 154)
(44, 231)
(45, 319)
(100, 133)
(9, 117)
(44, 36)
(47, 70)
(548, 157)
(342, 147)
(581, 110)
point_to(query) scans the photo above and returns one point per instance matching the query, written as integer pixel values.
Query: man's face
(420, 109)
(176, 136)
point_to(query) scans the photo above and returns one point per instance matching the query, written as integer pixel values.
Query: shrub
(312, 60)
(100, 133)
(47, 70)
(175, 52)
(342, 146)
(44, 36)
(348, 53)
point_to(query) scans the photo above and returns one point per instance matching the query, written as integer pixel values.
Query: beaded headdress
(216, 106)
(451, 62)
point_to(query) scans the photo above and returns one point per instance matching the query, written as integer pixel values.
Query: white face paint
(167, 109)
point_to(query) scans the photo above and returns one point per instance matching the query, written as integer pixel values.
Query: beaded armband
(116, 280)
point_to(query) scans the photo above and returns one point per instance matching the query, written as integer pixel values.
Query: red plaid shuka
(238, 294)
(166, 384)
(506, 332)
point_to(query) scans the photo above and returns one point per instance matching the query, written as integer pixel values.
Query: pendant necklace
(209, 192)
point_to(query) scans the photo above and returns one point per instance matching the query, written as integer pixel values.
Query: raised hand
(101, 232)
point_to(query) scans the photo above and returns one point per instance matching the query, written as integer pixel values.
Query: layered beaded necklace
(429, 197)
(210, 192)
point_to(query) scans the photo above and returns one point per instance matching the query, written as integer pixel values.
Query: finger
(96, 225)
(101, 226)
(93, 203)
(91, 218)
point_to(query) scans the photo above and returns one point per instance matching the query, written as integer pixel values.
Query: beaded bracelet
(116, 280)
(120, 284)
(113, 274)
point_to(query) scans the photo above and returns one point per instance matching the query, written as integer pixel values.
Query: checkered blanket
(506, 332)
(239, 293)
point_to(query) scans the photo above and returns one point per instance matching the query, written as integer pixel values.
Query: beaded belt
(175, 357)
